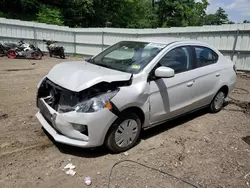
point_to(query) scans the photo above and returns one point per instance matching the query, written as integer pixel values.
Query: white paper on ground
(71, 172)
(70, 166)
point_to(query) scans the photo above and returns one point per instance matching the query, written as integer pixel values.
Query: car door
(170, 97)
(207, 78)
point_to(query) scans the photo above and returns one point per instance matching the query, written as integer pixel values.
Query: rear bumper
(61, 129)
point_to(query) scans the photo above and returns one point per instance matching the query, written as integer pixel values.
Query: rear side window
(205, 56)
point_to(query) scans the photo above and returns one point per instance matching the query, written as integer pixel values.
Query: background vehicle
(54, 49)
(24, 50)
(131, 86)
(6, 46)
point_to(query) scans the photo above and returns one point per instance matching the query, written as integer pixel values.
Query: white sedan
(128, 87)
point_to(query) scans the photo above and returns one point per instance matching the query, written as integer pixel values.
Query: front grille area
(60, 99)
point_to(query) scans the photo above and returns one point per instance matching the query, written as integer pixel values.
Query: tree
(178, 13)
(139, 14)
(114, 13)
(220, 17)
(246, 21)
(198, 13)
(78, 13)
(49, 15)
(211, 19)
(172, 13)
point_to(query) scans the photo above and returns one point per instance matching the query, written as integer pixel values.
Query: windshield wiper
(103, 65)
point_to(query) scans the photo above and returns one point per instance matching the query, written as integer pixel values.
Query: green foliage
(246, 21)
(2, 14)
(211, 19)
(77, 56)
(114, 13)
(49, 15)
(198, 13)
(220, 17)
(139, 14)
(181, 13)
(78, 13)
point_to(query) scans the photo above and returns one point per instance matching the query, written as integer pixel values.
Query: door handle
(217, 74)
(189, 84)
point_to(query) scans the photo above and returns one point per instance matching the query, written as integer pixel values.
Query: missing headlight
(63, 100)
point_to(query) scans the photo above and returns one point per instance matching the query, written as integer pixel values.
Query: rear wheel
(37, 55)
(2, 51)
(62, 55)
(11, 54)
(124, 133)
(218, 101)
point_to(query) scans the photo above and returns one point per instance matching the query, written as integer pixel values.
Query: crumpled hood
(80, 75)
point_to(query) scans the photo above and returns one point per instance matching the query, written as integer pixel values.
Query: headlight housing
(97, 103)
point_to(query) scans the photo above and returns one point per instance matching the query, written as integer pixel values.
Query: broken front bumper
(60, 125)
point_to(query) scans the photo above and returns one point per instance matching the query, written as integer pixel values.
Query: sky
(237, 10)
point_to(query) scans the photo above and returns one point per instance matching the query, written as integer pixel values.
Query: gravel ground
(205, 149)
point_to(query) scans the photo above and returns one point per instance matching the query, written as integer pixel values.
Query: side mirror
(164, 72)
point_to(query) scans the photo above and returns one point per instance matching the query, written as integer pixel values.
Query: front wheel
(124, 133)
(218, 101)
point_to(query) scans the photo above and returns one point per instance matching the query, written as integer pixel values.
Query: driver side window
(178, 59)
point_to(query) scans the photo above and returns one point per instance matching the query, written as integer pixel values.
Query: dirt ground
(205, 149)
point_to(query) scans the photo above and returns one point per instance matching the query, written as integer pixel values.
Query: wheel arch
(225, 89)
(134, 109)
(138, 111)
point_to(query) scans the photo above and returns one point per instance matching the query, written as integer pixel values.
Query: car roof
(164, 41)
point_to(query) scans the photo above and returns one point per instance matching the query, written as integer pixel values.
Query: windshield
(129, 57)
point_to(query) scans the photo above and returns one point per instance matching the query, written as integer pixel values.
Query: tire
(11, 54)
(62, 56)
(37, 55)
(50, 54)
(217, 103)
(112, 137)
(2, 52)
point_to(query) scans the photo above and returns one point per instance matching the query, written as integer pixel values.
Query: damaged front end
(89, 100)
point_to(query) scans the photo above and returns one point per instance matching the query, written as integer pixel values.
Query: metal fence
(232, 40)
